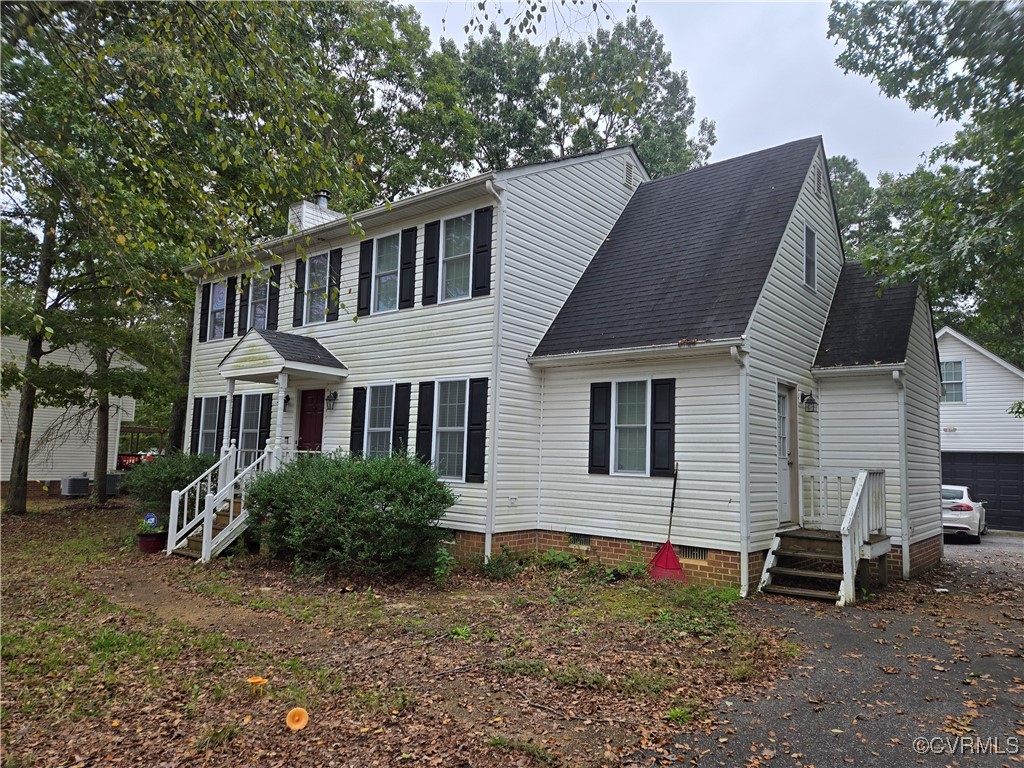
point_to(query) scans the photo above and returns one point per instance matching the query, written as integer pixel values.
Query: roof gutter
(856, 370)
(695, 348)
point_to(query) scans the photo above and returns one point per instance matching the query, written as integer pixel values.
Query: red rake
(664, 566)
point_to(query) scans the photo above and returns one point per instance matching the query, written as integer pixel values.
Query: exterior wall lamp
(331, 399)
(808, 401)
(287, 399)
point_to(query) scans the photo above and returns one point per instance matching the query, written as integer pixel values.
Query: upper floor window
(317, 268)
(259, 298)
(455, 260)
(380, 413)
(810, 257)
(385, 273)
(218, 310)
(952, 374)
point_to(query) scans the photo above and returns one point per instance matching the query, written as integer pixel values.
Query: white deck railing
(188, 505)
(865, 516)
(230, 502)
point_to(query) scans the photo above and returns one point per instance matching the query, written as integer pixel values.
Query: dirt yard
(111, 657)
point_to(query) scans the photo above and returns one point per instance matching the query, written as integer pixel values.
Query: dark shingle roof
(688, 256)
(864, 328)
(300, 349)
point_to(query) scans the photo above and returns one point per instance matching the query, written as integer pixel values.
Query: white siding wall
(981, 421)
(58, 448)
(707, 429)
(410, 345)
(783, 338)
(924, 464)
(556, 218)
(860, 427)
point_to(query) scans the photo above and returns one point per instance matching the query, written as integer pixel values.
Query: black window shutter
(274, 297)
(229, 307)
(204, 312)
(197, 416)
(365, 277)
(400, 420)
(425, 422)
(236, 418)
(663, 427)
(222, 409)
(482, 252)
(334, 284)
(476, 441)
(243, 307)
(600, 428)
(431, 253)
(300, 293)
(266, 400)
(355, 443)
(407, 272)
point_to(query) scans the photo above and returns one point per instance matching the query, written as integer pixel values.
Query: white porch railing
(188, 505)
(865, 516)
(825, 494)
(229, 502)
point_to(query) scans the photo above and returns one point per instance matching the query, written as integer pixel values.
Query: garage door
(997, 477)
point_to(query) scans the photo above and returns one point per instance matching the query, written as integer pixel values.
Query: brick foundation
(924, 555)
(37, 489)
(721, 569)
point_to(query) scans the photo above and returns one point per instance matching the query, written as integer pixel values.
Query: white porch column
(227, 469)
(282, 390)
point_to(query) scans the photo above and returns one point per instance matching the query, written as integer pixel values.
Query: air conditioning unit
(74, 486)
(113, 484)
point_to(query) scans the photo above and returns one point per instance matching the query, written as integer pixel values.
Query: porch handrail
(184, 519)
(865, 515)
(231, 501)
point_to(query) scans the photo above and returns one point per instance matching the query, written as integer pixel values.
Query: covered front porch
(210, 513)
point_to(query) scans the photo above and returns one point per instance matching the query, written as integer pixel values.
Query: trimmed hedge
(151, 482)
(367, 516)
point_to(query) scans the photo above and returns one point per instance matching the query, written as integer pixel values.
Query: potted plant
(152, 535)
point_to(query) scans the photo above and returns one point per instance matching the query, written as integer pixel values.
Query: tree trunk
(99, 486)
(176, 428)
(17, 491)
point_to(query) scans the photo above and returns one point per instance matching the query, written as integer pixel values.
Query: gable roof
(947, 331)
(688, 256)
(299, 349)
(261, 355)
(863, 328)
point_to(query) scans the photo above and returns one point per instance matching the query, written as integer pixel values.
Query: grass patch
(536, 752)
(381, 700)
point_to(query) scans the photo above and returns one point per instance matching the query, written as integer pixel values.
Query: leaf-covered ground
(111, 657)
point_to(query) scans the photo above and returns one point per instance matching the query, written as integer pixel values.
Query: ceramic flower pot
(151, 542)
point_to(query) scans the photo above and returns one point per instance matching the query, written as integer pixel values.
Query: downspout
(739, 355)
(901, 400)
(499, 318)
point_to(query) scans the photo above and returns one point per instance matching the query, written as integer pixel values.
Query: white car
(961, 514)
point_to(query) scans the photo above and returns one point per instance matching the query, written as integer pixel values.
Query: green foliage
(445, 565)
(151, 482)
(535, 752)
(957, 224)
(699, 611)
(376, 516)
(504, 565)
(553, 560)
(852, 193)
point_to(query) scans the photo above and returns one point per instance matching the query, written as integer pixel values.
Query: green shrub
(367, 516)
(151, 482)
(504, 565)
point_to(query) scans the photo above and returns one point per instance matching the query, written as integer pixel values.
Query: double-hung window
(450, 429)
(259, 298)
(380, 415)
(249, 430)
(810, 257)
(456, 257)
(385, 273)
(951, 372)
(208, 426)
(629, 413)
(218, 310)
(317, 268)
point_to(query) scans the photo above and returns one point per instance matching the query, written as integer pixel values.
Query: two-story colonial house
(557, 338)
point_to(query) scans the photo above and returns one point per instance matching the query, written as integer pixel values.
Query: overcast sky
(765, 73)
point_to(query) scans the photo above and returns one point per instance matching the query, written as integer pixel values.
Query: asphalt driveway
(917, 676)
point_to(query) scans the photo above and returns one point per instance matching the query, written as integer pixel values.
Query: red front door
(311, 420)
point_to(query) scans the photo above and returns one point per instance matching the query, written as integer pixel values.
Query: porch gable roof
(260, 355)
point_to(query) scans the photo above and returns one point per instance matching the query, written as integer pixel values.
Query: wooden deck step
(806, 553)
(801, 592)
(777, 570)
(189, 553)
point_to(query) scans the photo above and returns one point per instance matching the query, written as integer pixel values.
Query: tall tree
(965, 241)
(853, 193)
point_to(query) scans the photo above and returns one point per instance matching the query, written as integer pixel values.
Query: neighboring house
(556, 338)
(63, 439)
(982, 444)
